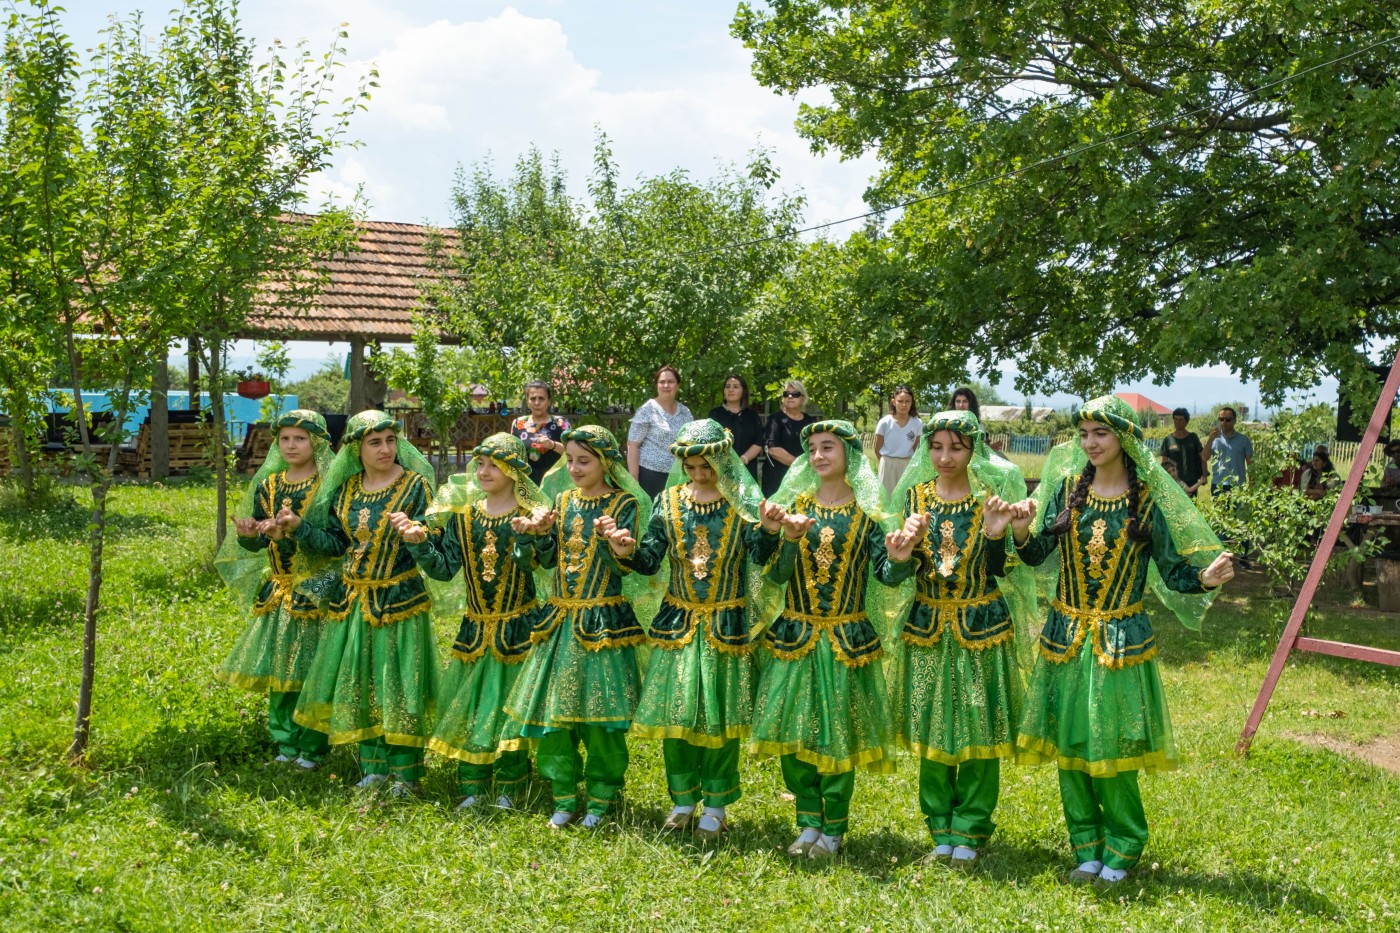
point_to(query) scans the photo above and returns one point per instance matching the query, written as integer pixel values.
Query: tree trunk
(193, 359)
(160, 422)
(19, 444)
(97, 525)
(216, 407)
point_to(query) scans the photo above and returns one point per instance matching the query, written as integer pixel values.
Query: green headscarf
(347, 463)
(644, 592)
(242, 570)
(989, 474)
(461, 490)
(883, 604)
(1191, 534)
(709, 439)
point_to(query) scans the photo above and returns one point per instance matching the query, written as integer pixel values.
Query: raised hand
(604, 525)
(540, 522)
(288, 520)
(246, 527)
(412, 532)
(900, 544)
(1220, 571)
(620, 540)
(771, 516)
(915, 527)
(1022, 516)
(996, 517)
(796, 526)
(269, 528)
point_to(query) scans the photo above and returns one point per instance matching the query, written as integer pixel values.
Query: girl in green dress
(1095, 704)
(374, 677)
(956, 688)
(471, 532)
(698, 694)
(275, 650)
(821, 701)
(580, 683)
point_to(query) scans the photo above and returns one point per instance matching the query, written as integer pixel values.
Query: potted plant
(251, 383)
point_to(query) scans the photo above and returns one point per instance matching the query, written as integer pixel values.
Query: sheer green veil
(1191, 534)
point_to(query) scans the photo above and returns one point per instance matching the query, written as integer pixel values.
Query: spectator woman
(741, 421)
(896, 436)
(1319, 475)
(541, 430)
(653, 430)
(782, 436)
(964, 399)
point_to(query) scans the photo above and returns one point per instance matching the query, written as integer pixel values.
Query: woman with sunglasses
(782, 436)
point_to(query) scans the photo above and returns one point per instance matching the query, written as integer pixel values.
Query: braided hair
(1077, 497)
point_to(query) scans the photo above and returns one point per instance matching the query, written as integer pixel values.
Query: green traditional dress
(492, 643)
(581, 681)
(1095, 704)
(956, 687)
(274, 652)
(374, 677)
(698, 695)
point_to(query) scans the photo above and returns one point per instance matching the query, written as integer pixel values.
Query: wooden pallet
(190, 445)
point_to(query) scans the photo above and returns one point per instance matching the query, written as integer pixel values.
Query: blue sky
(471, 80)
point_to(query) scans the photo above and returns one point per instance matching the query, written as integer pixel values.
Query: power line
(1048, 160)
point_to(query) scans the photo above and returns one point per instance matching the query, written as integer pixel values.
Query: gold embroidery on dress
(488, 556)
(1096, 548)
(825, 555)
(362, 534)
(574, 547)
(700, 554)
(948, 550)
(287, 502)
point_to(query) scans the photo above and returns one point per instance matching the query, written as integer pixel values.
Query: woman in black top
(782, 441)
(741, 421)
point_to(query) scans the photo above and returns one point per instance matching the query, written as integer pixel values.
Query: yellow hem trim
(1034, 751)
(699, 739)
(438, 746)
(360, 735)
(870, 759)
(259, 684)
(970, 753)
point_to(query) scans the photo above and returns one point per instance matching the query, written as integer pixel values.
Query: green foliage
(594, 295)
(1315, 423)
(421, 373)
(326, 390)
(1249, 219)
(272, 359)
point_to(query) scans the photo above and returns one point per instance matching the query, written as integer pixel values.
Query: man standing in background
(1231, 452)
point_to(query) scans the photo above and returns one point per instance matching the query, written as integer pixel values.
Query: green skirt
(371, 681)
(564, 685)
(696, 692)
(954, 703)
(273, 653)
(827, 714)
(472, 724)
(1087, 716)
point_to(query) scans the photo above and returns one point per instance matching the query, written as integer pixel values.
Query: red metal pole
(1335, 524)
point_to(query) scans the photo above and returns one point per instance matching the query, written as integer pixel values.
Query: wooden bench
(190, 445)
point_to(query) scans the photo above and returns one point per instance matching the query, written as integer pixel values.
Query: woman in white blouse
(896, 436)
(652, 431)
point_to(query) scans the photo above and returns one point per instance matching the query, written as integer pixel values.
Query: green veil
(883, 604)
(644, 592)
(347, 462)
(1191, 534)
(989, 474)
(709, 439)
(242, 570)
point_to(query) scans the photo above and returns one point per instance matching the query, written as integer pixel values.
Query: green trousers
(511, 770)
(403, 762)
(695, 773)
(560, 763)
(1104, 816)
(957, 801)
(292, 740)
(823, 800)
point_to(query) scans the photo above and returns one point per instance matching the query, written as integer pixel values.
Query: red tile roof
(372, 293)
(1142, 403)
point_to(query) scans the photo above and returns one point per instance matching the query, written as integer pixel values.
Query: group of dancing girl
(825, 624)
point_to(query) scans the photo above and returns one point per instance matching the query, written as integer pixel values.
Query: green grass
(178, 822)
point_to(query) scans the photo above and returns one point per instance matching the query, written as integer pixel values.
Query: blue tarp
(238, 411)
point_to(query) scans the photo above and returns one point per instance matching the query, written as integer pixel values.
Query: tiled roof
(372, 293)
(1139, 402)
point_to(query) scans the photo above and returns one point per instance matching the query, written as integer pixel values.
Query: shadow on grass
(70, 524)
(1267, 893)
(37, 611)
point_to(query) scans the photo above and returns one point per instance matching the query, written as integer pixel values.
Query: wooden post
(357, 376)
(1292, 639)
(193, 403)
(160, 422)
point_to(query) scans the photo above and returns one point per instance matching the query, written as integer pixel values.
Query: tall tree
(1113, 191)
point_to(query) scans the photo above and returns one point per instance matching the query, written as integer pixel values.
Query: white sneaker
(404, 789)
(1112, 875)
(963, 857)
(592, 820)
(281, 759)
(504, 803)
(305, 764)
(467, 802)
(372, 780)
(560, 819)
(824, 848)
(804, 842)
(1086, 872)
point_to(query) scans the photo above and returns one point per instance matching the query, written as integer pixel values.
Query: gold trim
(969, 753)
(699, 739)
(569, 604)
(1033, 750)
(259, 684)
(868, 759)
(438, 747)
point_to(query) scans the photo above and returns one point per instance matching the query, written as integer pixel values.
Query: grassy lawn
(180, 822)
